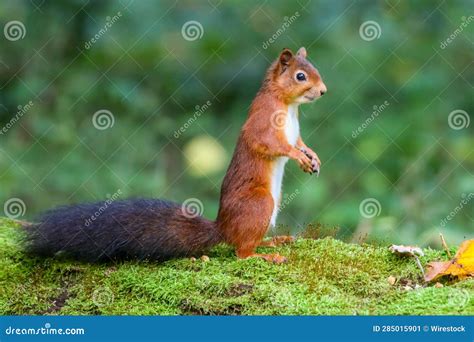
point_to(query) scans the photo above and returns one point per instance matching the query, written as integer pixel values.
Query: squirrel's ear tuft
(301, 52)
(285, 57)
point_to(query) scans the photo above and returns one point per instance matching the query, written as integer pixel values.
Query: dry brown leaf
(462, 266)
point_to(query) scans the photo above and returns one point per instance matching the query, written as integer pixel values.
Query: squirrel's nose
(322, 89)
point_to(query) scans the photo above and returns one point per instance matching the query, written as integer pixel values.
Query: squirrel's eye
(300, 76)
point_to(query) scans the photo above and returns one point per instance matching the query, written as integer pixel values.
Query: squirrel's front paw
(316, 166)
(315, 162)
(304, 161)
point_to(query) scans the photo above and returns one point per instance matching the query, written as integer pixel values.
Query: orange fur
(246, 202)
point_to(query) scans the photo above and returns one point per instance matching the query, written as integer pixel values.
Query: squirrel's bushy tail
(138, 228)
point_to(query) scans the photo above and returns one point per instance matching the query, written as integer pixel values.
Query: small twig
(445, 245)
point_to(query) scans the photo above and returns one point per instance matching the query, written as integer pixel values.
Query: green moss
(324, 276)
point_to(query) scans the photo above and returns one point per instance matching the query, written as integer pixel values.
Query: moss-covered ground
(322, 277)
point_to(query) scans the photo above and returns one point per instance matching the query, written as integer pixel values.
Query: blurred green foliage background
(178, 105)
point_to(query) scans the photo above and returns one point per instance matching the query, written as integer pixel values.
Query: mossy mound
(322, 277)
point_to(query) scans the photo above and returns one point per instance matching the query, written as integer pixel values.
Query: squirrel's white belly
(292, 132)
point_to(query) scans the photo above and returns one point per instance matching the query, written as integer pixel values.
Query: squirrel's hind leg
(253, 226)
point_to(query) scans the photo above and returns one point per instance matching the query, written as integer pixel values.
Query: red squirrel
(250, 194)
(251, 191)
